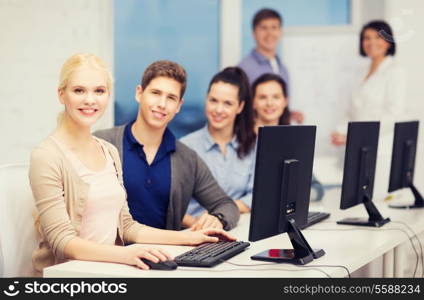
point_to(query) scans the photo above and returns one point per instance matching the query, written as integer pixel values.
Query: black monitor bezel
(360, 135)
(297, 138)
(404, 131)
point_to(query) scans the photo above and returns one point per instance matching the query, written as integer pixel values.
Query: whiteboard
(323, 68)
(36, 38)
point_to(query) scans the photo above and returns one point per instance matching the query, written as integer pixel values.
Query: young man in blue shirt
(161, 174)
(267, 32)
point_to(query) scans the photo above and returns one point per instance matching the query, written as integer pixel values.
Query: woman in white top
(378, 96)
(76, 179)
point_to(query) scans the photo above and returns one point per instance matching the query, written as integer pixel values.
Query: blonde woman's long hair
(76, 61)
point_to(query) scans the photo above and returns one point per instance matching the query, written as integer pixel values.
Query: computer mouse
(162, 265)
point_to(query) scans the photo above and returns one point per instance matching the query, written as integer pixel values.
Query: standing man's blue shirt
(148, 186)
(234, 175)
(255, 65)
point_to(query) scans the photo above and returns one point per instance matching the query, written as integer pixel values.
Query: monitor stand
(375, 219)
(301, 254)
(419, 202)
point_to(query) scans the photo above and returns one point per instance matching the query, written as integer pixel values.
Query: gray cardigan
(190, 178)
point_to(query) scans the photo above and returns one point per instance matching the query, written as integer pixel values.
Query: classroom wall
(407, 20)
(36, 38)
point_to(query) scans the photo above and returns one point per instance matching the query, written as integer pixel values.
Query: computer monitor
(281, 191)
(403, 161)
(359, 171)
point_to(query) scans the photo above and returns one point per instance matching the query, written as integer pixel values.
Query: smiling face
(159, 102)
(269, 102)
(85, 96)
(222, 105)
(267, 34)
(374, 45)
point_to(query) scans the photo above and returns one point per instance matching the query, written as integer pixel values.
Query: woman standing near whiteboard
(379, 94)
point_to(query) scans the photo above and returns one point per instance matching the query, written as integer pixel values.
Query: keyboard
(314, 217)
(210, 254)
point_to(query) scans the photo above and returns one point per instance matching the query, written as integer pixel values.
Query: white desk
(350, 246)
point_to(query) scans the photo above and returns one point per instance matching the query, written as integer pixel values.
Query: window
(297, 13)
(184, 31)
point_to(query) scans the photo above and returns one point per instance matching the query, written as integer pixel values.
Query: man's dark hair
(165, 68)
(265, 13)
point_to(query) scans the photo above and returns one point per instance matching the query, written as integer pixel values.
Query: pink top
(105, 198)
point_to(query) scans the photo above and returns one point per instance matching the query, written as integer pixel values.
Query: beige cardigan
(60, 196)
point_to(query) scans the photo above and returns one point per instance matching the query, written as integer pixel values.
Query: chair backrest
(17, 233)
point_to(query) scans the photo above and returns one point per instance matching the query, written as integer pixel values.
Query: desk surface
(349, 246)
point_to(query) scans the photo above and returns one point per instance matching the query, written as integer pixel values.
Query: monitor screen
(358, 174)
(359, 163)
(403, 162)
(403, 155)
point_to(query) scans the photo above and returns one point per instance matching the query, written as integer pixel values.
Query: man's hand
(188, 221)
(206, 221)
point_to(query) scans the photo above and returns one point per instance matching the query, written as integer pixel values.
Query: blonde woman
(76, 179)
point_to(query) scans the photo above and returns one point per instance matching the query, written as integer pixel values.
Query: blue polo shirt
(255, 65)
(148, 186)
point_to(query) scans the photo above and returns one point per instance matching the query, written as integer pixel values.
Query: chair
(18, 235)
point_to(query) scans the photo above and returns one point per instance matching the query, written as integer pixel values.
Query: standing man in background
(267, 31)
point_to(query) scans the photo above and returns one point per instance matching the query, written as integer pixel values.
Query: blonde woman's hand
(209, 235)
(132, 255)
